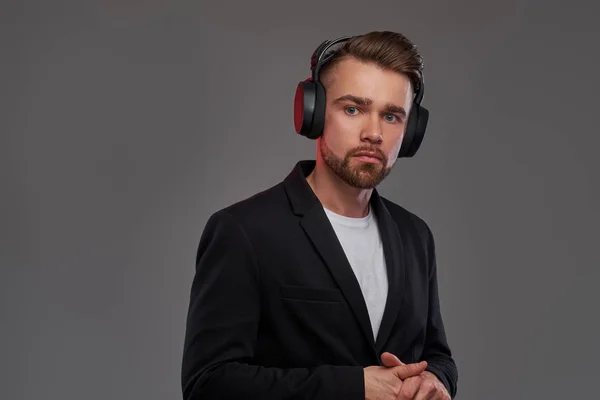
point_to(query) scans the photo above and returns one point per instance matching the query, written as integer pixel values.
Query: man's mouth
(368, 156)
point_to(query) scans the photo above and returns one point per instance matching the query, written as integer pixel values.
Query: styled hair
(388, 50)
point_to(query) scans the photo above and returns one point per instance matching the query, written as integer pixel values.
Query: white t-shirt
(361, 242)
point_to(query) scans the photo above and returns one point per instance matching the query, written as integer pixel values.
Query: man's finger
(410, 387)
(407, 370)
(390, 360)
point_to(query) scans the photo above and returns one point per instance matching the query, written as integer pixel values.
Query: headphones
(309, 105)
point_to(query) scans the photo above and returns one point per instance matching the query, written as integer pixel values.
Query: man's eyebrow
(395, 109)
(365, 101)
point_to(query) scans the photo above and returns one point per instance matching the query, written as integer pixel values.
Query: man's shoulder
(407, 218)
(257, 205)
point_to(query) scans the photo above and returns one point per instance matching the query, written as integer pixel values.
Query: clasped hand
(399, 381)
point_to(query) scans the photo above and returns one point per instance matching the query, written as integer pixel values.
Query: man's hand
(383, 383)
(425, 386)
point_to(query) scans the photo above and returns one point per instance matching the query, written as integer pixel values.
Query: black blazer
(276, 312)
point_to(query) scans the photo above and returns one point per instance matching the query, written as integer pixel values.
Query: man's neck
(336, 195)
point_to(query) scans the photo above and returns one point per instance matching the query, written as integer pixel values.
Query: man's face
(367, 111)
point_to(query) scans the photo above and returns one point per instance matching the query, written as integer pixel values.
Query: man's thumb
(405, 371)
(390, 360)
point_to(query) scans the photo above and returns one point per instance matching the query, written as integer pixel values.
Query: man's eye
(351, 110)
(391, 118)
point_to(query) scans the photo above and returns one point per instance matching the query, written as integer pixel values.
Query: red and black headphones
(309, 105)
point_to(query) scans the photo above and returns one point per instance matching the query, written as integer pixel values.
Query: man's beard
(362, 176)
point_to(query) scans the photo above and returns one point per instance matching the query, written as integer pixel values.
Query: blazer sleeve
(437, 352)
(222, 325)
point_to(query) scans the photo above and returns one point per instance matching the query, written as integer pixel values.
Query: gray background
(125, 124)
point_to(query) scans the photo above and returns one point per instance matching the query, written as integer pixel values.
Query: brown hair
(389, 50)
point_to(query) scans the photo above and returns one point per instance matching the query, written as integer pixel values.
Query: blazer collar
(300, 194)
(315, 223)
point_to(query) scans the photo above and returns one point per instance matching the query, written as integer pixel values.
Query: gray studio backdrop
(125, 124)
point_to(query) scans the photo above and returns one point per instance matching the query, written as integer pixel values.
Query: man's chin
(365, 179)
(368, 172)
(369, 177)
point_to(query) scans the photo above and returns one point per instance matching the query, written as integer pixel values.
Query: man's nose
(372, 130)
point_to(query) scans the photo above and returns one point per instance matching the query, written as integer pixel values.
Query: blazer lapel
(322, 235)
(392, 246)
(320, 232)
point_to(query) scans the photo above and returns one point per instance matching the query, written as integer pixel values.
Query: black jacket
(276, 312)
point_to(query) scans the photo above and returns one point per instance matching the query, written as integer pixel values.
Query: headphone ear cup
(318, 120)
(304, 106)
(415, 131)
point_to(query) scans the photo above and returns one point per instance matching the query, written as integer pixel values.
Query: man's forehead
(350, 72)
(364, 92)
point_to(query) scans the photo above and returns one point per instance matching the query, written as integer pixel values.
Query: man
(320, 288)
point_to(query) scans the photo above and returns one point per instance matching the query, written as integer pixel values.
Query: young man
(320, 288)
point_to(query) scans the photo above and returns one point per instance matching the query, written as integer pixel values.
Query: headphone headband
(317, 61)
